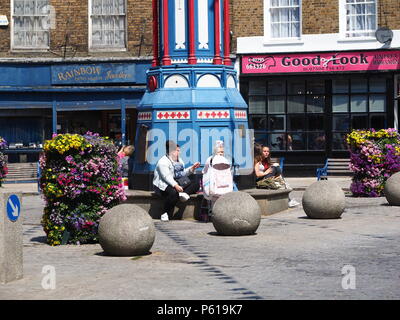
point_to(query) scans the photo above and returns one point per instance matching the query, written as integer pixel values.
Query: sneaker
(183, 196)
(293, 203)
(164, 217)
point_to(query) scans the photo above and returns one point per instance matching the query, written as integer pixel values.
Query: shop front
(37, 100)
(303, 105)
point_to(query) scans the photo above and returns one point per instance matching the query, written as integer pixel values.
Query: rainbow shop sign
(93, 73)
(322, 62)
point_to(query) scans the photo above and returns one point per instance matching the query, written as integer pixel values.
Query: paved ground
(290, 257)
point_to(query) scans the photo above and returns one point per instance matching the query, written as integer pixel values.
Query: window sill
(101, 50)
(21, 50)
(279, 42)
(355, 39)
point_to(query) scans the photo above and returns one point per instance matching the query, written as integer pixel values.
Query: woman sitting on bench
(268, 174)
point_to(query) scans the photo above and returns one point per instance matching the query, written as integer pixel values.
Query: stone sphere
(236, 214)
(324, 199)
(126, 230)
(392, 189)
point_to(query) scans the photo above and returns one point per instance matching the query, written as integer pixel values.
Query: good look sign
(322, 62)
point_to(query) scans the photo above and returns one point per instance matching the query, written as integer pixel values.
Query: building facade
(313, 70)
(71, 67)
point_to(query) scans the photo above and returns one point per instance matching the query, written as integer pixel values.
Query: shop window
(359, 85)
(358, 18)
(282, 19)
(296, 104)
(340, 103)
(357, 103)
(257, 104)
(31, 24)
(378, 121)
(315, 104)
(277, 123)
(377, 103)
(107, 24)
(315, 122)
(316, 141)
(259, 122)
(300, 115)
(359, 121)
(339, 141)
(296, 122)
(276, 104)
(341, 122)
(340, 86)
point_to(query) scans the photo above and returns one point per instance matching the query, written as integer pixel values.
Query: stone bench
(270, 201)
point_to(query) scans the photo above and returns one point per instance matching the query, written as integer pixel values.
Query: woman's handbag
(183, 181)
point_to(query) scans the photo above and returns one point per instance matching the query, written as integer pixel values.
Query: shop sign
(322, 62)
(93, 73)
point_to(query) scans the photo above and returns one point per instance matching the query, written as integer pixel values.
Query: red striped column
(217, 33)
(227, 50)
(192, 56)
(166, 59)
(155, 34)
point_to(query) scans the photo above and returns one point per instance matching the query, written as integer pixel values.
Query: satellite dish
(384, 35)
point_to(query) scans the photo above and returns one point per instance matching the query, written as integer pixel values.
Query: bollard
(11, 243)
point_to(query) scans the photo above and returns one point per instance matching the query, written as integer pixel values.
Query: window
(289, 114)
(282, 19)
(30, 24)
(107, 24)
(357, 103)
(315, 114)
(358, 18)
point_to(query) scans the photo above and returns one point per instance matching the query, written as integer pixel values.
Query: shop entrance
(104, 122)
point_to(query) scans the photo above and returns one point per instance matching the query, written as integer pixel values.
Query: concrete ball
(126, 230)
(236, 214)
(324, 199)
(392, 189)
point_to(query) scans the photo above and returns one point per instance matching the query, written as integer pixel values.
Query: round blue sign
(13, 207)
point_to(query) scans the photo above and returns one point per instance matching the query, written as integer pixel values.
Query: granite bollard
(392, 189)
(11, 241)
(236, 214)
(324, 199)
(126, 230)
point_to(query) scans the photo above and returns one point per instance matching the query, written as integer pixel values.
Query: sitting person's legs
(276, 172)
(171, 197)
(192, 188)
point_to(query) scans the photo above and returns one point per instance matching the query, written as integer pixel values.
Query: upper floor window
(359, 18)
(107, 24)
(30, 24)
(282, 19)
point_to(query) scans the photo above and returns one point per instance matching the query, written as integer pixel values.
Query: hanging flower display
(374, 157)
(3, 162)
(80, 180)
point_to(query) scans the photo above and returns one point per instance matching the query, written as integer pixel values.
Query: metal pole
(123, 120)
(54, 117)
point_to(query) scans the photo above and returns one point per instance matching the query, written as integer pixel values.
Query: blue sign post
(13, 207)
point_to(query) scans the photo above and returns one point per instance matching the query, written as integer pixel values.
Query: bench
(334, 167)
(270, 201)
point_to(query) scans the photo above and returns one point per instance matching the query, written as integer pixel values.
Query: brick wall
(5, 31)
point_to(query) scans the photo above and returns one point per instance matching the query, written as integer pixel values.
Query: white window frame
(23, 48)
(268, 30)
(90, 30)
(343, 23)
